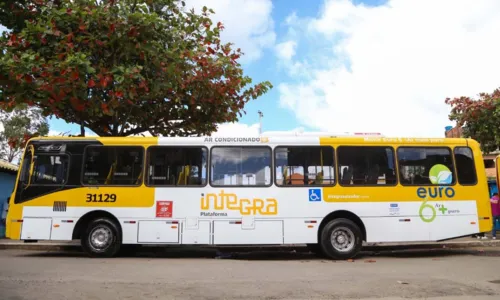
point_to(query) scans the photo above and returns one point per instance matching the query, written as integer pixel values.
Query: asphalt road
(438, 274)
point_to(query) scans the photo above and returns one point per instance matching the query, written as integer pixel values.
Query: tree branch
(135, 131)
(133, 6)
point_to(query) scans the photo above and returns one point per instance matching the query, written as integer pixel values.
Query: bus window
(26, 167)
(466, 171)
(304, 165)
(117, 165)
(177, 166)
(425, 166)
(240, 166)
(360, 166)
(50, 169)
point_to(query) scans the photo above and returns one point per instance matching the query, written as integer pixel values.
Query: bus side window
(177, 166)
(241, 166)
(304, 165)
(113, 165)
(366, 165)
(466, 170)
(425, 166)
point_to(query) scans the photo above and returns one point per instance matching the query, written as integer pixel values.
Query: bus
(331, 193)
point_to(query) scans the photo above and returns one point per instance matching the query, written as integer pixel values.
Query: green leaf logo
(440, 174)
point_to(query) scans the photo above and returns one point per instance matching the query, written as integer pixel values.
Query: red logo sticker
(164, 209)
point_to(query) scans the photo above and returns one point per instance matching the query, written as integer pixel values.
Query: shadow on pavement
(200, 253)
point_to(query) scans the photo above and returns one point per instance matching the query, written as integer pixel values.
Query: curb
(454, 245)
(39, 247)
(297, 248)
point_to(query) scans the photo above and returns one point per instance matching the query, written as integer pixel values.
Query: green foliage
(126, 67)
(15, 13)
(479, 118)
(19, 125)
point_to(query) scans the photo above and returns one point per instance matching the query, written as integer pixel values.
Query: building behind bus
(7, 179)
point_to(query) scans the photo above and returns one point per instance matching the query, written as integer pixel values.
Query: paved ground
(472, 273)
(454, 243)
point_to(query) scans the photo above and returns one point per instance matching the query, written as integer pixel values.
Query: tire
(101, 238)
(349, 241)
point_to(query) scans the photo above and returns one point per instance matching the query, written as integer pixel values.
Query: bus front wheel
(101, 238)
(341, 239)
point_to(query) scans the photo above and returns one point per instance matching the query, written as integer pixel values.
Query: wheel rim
(100, 238)
(343, 239)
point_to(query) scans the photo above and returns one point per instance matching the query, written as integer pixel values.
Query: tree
(14, 13)
(480, 118)
(124, 67)
(19, 126)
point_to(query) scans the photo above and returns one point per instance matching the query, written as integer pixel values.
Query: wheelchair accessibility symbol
(314, 195)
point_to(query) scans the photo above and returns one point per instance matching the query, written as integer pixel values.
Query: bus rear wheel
(101, 238)
(341, 239)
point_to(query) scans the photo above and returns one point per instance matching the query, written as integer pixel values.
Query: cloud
(237, 129)
(248, 24)
(54, 133)
(389, 68)
(286, 50)
(252, 130)
(291, 19)
(229, 129)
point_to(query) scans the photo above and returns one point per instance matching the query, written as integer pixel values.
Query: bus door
(25, 177)
(44, 171)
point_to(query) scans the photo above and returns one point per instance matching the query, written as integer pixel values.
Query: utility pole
(261, 115)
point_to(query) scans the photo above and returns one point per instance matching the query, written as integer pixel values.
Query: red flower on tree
(479, 118)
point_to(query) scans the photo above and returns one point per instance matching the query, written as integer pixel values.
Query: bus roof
(263, 140)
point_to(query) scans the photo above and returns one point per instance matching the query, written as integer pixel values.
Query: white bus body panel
(158, 232)
(199, 235)
(264, 232)
(62, 229)
(297, 222)
(36, 228)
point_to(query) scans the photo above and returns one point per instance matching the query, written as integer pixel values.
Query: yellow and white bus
(329, 192)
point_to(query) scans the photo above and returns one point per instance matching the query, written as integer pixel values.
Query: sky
(382, 66)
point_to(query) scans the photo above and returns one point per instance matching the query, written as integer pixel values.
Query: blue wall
(7, 181)
(492, 184)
